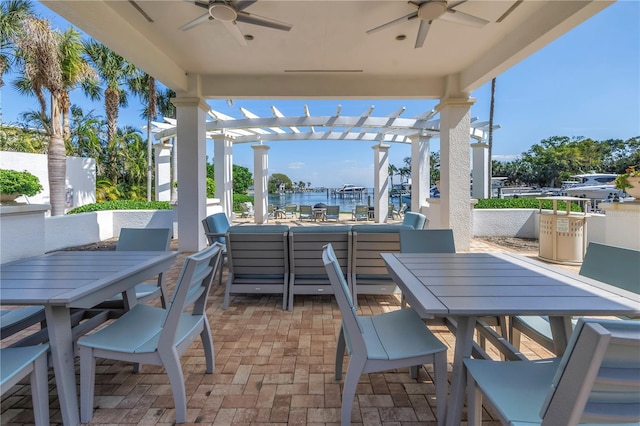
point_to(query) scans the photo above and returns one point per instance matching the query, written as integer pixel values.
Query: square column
(420, 164)
(163, 171)
(380, 182)
(480, 171)
(260, 182)
(455, 165)
(223, 172)
(192, 189)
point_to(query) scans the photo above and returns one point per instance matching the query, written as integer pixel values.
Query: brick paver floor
(272, 368)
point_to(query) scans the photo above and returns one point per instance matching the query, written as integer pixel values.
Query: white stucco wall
(521, 223)
(21, 231)
(81, 176)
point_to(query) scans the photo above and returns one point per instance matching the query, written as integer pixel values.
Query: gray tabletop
(77, 279)
(481, 284)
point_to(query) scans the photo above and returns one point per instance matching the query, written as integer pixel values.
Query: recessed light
(401, 37)
(248, 37)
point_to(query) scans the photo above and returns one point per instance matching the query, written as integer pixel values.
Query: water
(346, 204)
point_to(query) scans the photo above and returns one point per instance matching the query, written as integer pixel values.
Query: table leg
(61, 342)
(464, 344)
(561, 329)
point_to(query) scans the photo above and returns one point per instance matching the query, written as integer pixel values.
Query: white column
(381, 182)
(223, 173)
(192, 190)
(260, 182)
(455, 199)
(174, 192)
(163, 171)
(420, 179)
(480, 170)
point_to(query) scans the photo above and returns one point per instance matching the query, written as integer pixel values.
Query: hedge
(522, 203)
(123, 205)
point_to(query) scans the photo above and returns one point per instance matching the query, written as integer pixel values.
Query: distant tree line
(557, 158)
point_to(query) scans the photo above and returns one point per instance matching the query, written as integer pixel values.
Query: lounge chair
(393, 212)
(152, 335)
(333, 213)
(307, 272)
(595, 381)
(247, 209)
(258, 260)
(18, 363)
(376, 343)
(361, 212)
(290, 211)
(414, 220)
(369, 274)
(306, 212)
(215, 228)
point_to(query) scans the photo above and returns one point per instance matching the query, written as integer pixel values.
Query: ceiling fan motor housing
(222, 12)
(432, 10)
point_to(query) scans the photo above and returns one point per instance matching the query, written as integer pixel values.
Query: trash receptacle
(563, 234)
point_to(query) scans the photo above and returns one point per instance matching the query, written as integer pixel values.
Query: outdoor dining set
(587, 320)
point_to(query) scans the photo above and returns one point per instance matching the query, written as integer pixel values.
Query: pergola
(227, 131)
(310, 49)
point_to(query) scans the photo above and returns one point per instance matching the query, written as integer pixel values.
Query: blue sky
(586, 83)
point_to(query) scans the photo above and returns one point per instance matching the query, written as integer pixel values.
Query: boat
(348, 188)
(595, 186)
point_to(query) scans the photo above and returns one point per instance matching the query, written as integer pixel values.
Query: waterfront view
(328, 197)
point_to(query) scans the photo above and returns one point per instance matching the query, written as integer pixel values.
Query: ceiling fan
(430, 10)
(230, 13)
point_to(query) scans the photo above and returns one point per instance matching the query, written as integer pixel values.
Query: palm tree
(114, 71)
(144, 86)
(76, 71)
(12, 14)
(39, 50)
(393, 170)
(491, 108)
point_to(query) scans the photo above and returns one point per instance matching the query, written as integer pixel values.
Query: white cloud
(505, 158)
(296, 165)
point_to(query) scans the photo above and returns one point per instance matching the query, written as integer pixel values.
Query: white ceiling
(327, 53)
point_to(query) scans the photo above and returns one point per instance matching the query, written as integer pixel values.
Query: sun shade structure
(391, 128)
(349, 49)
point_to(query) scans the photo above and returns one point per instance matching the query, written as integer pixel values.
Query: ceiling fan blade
(508, 12)
(203, 4)
(422, 33)
(243, 4)
(199, 20)
(395, 21)
(233, 28)
(248, 18)
(463, 18)
(456, 4)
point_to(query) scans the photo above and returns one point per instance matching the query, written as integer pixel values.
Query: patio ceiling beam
(317, 136)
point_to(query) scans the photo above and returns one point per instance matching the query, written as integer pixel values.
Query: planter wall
(21, 231)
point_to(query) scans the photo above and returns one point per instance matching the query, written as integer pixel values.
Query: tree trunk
(57, 162)
(491, 107)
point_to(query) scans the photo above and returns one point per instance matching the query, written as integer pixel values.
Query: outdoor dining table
(465, 286)
(65, 280)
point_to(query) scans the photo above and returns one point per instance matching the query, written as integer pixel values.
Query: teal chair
(616, 266)
(152, 335)
(426, 241)
(18, 363)
(414, 220)
(16, 320)
(215, 228)
(597, 380)
(143, 239)
(333, 213)
(396, 339)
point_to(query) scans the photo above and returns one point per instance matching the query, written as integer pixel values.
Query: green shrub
(211, 188)
(23, 183)
(522, 203)
(238, 199)
(123, 205)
